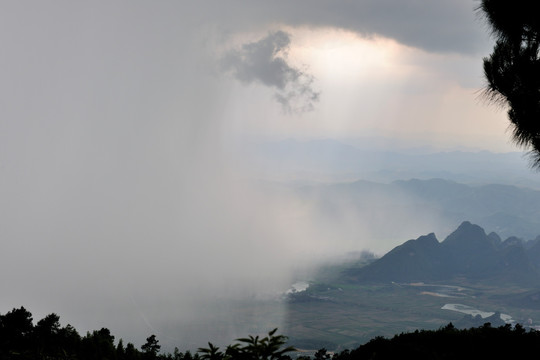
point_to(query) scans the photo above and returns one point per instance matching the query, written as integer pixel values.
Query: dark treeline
(485, 342)
(21, 339)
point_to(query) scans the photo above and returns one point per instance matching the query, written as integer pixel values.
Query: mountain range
(404, 207)
(468, 254)
(334, 160)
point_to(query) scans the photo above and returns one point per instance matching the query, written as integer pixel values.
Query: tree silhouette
(512, 70)
(47, 336)
(322, 354)
(151, 347)
(211, 353)
(99, 344)
(15, 332)
(270, 347)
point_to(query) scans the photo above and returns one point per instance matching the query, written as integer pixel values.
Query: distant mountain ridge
(467, 253)
(505, 209)
(334, 160)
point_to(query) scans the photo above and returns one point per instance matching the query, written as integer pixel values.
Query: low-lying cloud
(265, 62)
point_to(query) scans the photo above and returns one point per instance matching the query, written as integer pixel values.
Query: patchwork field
(339, 316)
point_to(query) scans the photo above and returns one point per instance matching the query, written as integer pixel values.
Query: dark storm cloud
(265, 61)
(437, 26)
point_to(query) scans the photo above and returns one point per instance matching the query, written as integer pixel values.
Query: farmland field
(339, 316)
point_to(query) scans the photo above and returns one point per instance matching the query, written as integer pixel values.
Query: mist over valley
(303, 228)
(202, 171)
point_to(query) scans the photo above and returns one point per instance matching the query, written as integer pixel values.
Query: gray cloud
(443, 26)
(436, 26)
(265, 62)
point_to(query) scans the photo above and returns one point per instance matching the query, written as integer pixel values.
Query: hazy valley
(455, 196)
(202, 171)
(468, 279)
(330, 229)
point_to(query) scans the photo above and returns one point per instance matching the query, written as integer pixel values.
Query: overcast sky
(121, 194)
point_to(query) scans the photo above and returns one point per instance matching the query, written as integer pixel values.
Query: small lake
(472, 311)
(298, 287)
(438, 290)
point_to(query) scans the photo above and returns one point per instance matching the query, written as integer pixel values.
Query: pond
(474, 312)
(298, 287)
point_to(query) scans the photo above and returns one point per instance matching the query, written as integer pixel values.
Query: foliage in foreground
(21, 339)
(512, 70)
(267, 348)
(485, 342)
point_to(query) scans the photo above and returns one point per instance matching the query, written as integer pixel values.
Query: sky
(125, 201)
